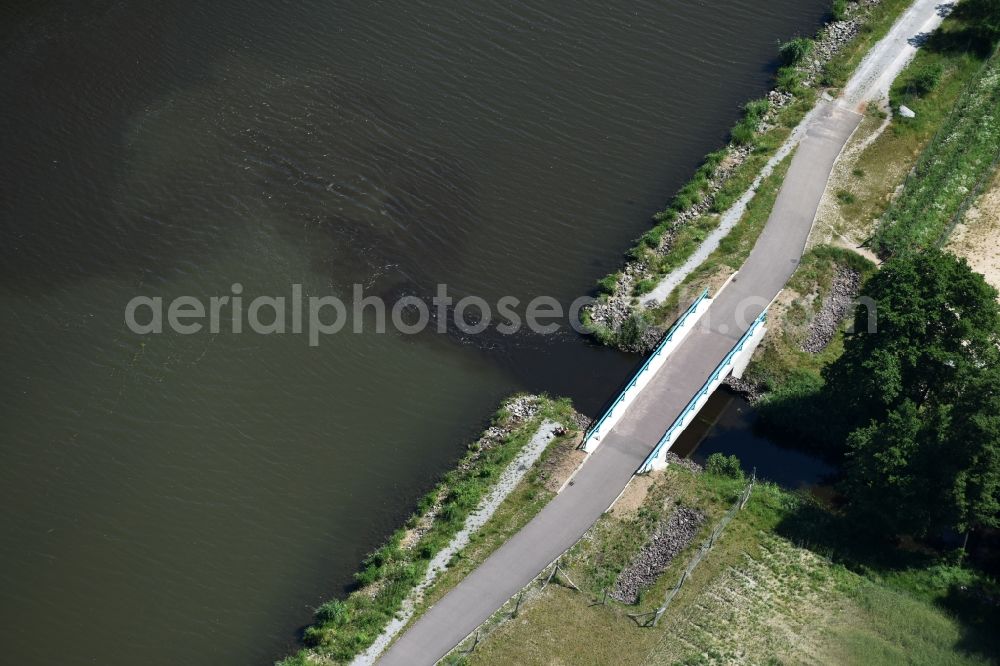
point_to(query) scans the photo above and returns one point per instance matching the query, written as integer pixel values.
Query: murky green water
(187, 499)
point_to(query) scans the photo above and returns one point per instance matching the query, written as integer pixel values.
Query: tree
(936, 322)
(974, 453)
(887, 472)
(921, 397)
(983, 16)
(795, 51)
(723, 465)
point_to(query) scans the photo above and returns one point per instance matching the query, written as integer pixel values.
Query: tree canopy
(921, 398)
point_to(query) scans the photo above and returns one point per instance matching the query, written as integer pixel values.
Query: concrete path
(603, 476)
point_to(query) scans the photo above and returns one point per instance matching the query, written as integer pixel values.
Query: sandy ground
(634, 495)
(831, 226)
(561, 463)
(977, 238)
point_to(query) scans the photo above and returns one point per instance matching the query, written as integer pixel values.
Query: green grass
(733, 250)
(950, 171)
(763, 594)
(780, 366)
(345, 627)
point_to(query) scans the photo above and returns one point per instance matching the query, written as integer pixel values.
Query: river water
(175, 499)
(729, 425)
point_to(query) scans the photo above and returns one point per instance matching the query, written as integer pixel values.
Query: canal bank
(701, 237)
(534, 442)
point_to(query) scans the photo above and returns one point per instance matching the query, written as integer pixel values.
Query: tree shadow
(975, 32)
(831, 533)
(978, 613)
(806, 421)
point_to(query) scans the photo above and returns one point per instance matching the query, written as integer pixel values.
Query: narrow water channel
(728, 424)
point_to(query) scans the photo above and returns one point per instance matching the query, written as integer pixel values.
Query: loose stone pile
(520, 409)
(751, 391)
(836, 306)
(670, 539)
(686, 463)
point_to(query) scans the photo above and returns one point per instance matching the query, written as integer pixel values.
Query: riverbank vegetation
(786, 582)
(345, 627)
(728, 173)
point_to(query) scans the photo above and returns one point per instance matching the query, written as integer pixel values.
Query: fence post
(553, 573)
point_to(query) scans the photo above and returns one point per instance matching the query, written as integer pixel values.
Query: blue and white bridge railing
(685, 324)
(734, 363)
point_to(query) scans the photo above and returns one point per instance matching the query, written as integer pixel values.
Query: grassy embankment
(719, 187)
(940, 85)
(782, 585)
(952, 169)
(904, 191)
(345, 627)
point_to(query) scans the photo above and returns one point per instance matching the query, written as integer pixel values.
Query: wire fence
(652, 618)
(555, 572)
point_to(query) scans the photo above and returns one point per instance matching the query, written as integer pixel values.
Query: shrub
(722, 465)
(607, 283)
(845, 197)
(839, 10)
(795, 51)
(756, 109)
(427, 502)
(924, 78)
(633, 329)
(644, 286)
(313, 636)
(788, 80)
(744, 133)
(835, 73)
(368, 575)
(668, 215)
(333, 612)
